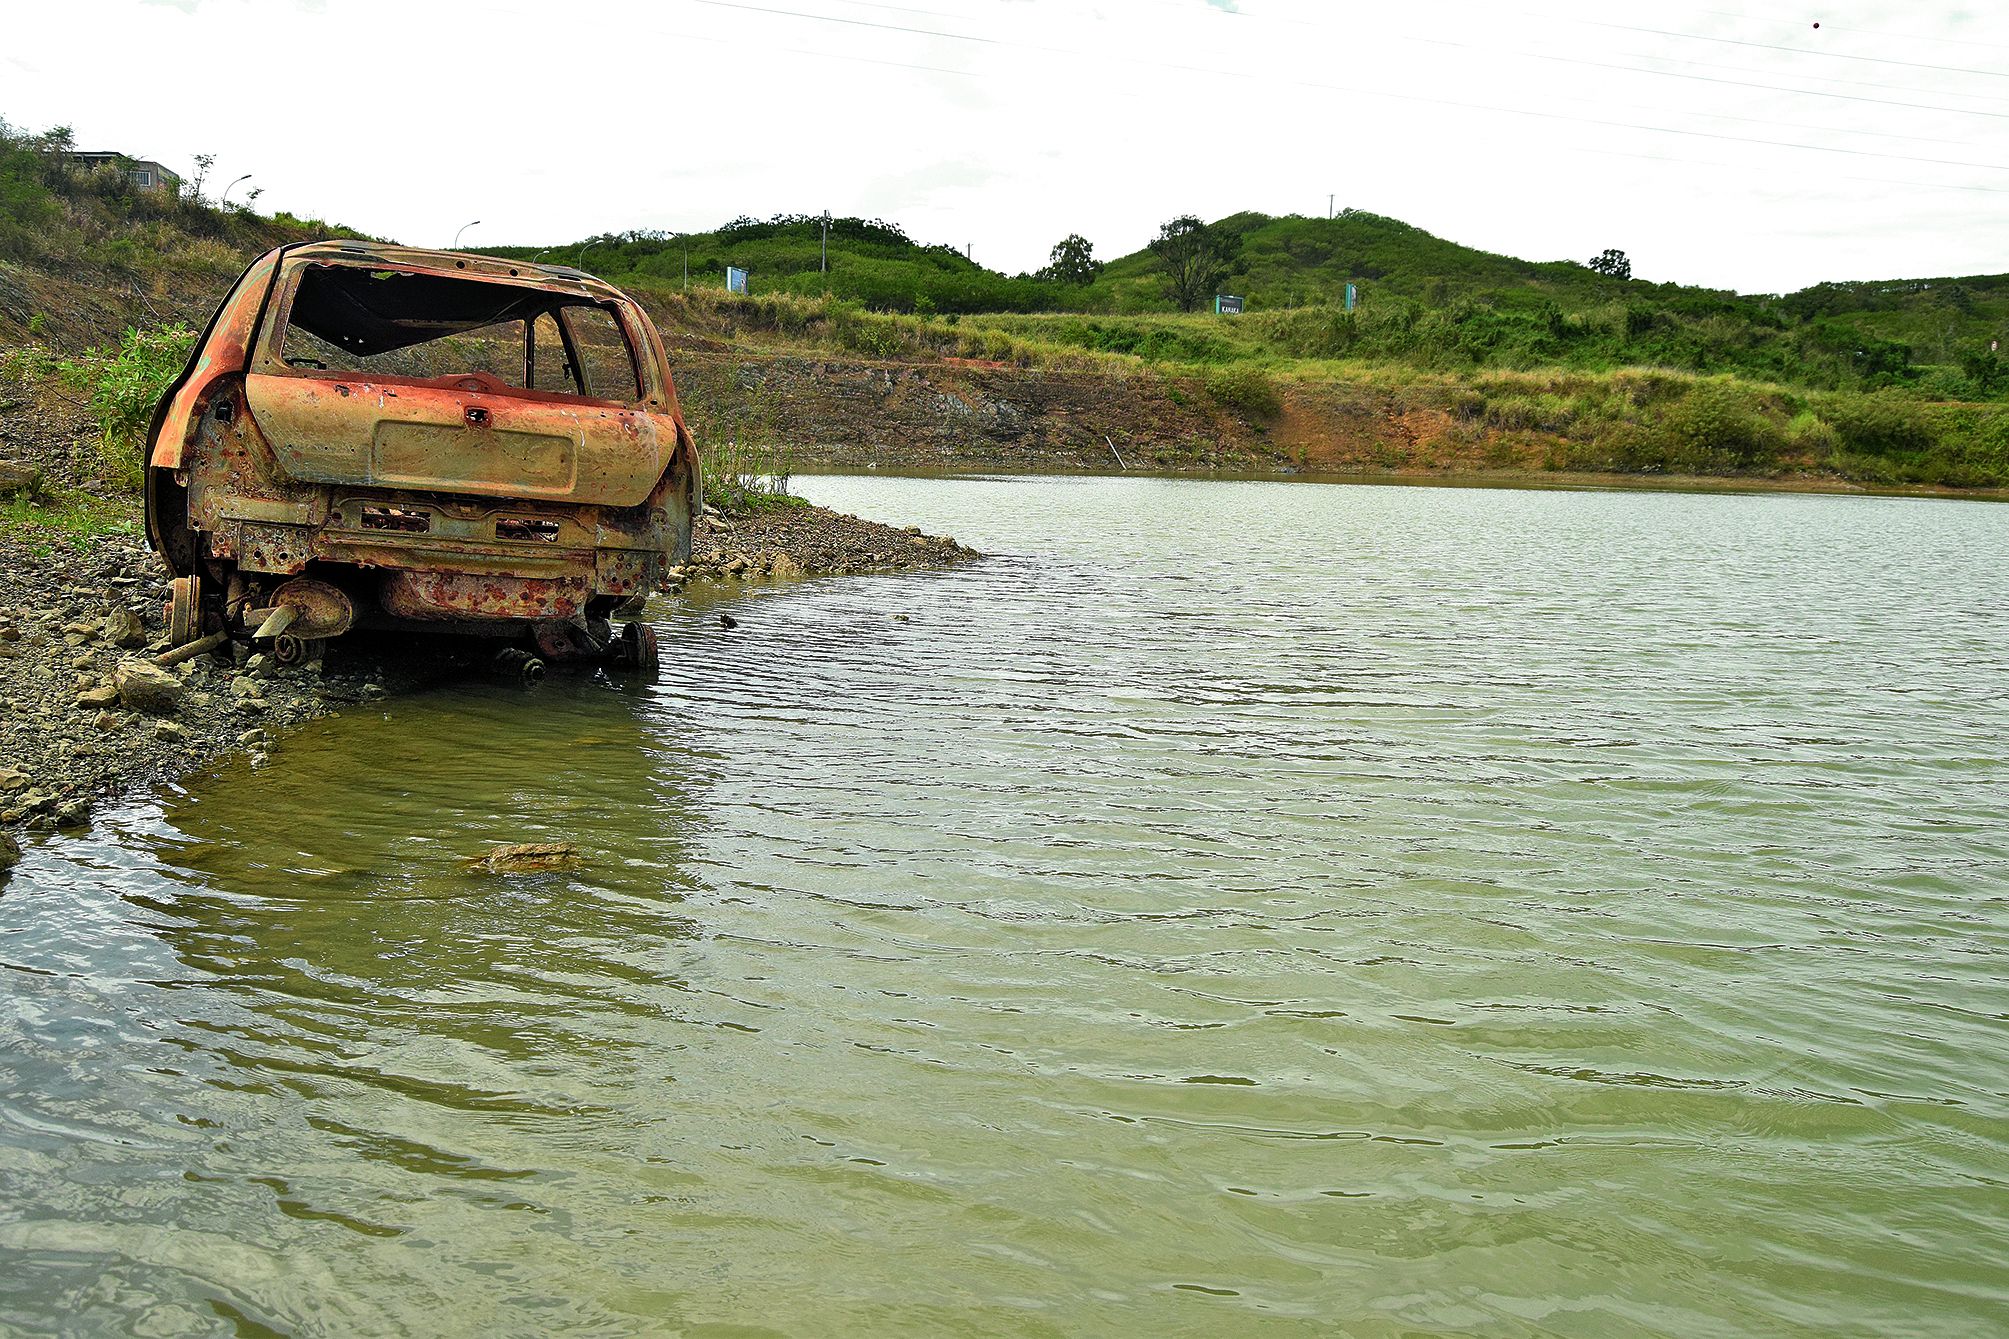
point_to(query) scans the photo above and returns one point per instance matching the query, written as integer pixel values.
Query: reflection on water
(1242, 908)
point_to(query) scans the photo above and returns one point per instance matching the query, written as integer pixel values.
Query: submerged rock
(525, 858)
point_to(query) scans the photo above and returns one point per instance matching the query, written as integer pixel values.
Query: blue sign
(735, 279)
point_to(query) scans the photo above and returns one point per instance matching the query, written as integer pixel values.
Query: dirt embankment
(947, 414)
(832, 411)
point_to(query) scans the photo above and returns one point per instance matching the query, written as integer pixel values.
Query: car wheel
(184, 610)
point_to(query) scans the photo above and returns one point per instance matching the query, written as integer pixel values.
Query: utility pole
(1328, 203)
(826, 241)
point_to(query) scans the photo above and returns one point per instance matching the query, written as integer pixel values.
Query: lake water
(1230, 909)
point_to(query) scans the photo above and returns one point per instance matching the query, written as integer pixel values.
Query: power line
(860, 23)
(1822, 78)
(1865, 32)
(1713, 79)
(1402, 97)
(1677, 60)
(1773, 46)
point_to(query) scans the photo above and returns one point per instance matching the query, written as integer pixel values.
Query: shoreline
(87, 718)
(1562, 481)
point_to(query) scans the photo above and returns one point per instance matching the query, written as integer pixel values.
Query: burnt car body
(376, 435)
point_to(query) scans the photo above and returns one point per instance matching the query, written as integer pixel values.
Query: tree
(1072, 261)
(203, 162)
(1196, 258)
(1614, 263)
(1984, 369)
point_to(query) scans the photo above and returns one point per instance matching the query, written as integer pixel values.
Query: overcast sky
(1724, 143)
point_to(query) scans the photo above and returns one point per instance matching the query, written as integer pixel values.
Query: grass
(1425, 302)
(65, 520)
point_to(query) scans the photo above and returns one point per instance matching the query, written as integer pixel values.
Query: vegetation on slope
(1424, 303)
(84, 252)
(1885, 382)
(870, 262)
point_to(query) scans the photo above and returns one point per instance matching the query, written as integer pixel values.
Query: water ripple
(1262, 908)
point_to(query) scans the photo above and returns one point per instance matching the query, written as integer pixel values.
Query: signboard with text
(1227, 304)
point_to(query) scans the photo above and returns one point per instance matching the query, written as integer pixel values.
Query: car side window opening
(347, 318)
(551, 362)
(603, 348)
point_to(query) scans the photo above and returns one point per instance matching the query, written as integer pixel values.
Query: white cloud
(1010, 125)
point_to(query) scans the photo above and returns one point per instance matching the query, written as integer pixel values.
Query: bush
(742, 479)
(1812, 435)
(1881, 424)
(1714, 418)
(124, 386)
(1245, 390)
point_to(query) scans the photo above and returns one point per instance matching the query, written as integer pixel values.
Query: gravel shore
(800, 540)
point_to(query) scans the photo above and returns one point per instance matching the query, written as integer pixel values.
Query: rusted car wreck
(379, 436)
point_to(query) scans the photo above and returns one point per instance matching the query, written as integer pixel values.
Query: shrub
(1715, 418)
(1881, 424)
(741, 479)
(1245, 390)
(1465, 404)
(125, 385)
(1813, 435)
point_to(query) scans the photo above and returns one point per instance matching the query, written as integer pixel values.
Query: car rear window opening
(349, 318)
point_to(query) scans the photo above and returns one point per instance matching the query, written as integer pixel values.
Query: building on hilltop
(143, 172)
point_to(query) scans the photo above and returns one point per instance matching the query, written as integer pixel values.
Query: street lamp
(225, 201)
(463, 228)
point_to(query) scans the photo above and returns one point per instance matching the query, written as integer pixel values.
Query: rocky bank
(86, 710)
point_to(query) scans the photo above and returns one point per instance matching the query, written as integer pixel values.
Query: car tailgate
(459, 440)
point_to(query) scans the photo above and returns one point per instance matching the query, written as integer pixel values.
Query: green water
(1231, 909)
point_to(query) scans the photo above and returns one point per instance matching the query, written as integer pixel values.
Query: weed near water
(744, 479)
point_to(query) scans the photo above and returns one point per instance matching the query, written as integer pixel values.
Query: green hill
(1424, 302)
(1296, 261)
(871, 262)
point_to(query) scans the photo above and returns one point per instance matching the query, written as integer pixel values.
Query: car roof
(467, 264)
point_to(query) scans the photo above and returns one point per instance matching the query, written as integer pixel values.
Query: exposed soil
(958, 413)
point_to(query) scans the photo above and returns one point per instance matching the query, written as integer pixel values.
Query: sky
(1730, 144)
